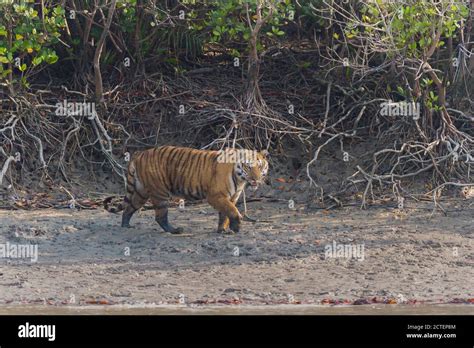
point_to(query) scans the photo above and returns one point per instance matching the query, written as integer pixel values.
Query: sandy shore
(388, 256)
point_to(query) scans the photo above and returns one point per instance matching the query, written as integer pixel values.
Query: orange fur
(219, 176)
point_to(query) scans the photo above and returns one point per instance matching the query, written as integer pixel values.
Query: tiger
(160, 173)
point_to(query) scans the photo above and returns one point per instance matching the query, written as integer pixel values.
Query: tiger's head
(252, 167)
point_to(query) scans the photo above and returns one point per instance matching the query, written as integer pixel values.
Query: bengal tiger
(218, 176)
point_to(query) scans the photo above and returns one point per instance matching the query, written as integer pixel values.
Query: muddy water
(242, 310)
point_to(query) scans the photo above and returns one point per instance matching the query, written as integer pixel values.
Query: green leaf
(6, 72)
(58, 10)
(37, 60)
(22, 67)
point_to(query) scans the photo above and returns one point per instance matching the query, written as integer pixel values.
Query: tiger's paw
(235, 225)
(177, 230)
(225, 231)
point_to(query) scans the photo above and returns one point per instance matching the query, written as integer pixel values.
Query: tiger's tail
(113, 209)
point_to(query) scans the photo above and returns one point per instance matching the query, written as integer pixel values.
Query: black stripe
(183, 174)
(169, 167)
(151, 170)
(189, 165)
(202, 158)
(138, 193)
(178, 161)
(192, 196)
(198, 173)
(234, 179)
(161, 171)
(173, 152)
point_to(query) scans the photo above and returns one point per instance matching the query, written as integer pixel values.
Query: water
(240, 310)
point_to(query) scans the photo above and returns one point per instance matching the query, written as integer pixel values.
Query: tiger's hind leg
(135, 202)
(161, 215)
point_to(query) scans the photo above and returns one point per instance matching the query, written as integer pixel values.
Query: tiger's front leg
(223, 219)
(223, 224)
(228, 213)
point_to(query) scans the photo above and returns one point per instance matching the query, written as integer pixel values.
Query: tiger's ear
(264, 153)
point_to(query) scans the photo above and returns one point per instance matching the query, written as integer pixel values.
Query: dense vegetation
(280, 75)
